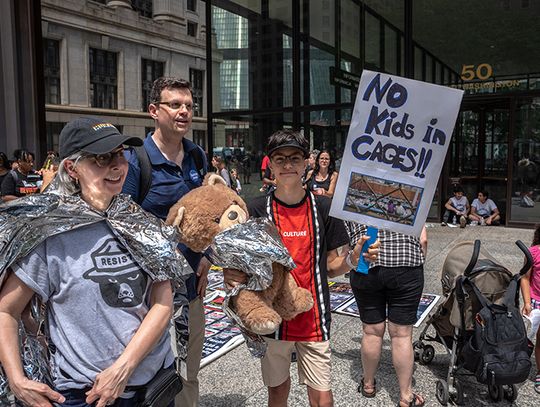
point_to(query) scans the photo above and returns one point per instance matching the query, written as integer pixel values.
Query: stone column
(169, 10)
(119, 3)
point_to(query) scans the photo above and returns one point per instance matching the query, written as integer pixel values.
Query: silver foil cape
(251, 247)
(28, 221)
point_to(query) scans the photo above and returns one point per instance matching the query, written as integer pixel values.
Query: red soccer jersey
(308, 232)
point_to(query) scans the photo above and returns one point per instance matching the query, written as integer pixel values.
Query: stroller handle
(474, 258)
(528, 257)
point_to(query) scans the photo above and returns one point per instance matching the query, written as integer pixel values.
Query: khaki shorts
(313, 360)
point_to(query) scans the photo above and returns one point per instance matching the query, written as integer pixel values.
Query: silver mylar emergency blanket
(251, 247)
(28, 221)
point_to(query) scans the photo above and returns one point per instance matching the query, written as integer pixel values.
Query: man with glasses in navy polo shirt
(177, 166)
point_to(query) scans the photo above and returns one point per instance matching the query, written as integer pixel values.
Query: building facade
(297, 64)
(101, 57)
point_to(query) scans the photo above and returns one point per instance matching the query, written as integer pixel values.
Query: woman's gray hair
(66, 185)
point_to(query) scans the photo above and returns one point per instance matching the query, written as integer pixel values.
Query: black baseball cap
(287, 138)
(92, 135)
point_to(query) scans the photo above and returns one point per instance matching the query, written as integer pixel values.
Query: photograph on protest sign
(383, 199)
(398, 138)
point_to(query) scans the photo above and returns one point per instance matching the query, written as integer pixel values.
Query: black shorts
(388, 292)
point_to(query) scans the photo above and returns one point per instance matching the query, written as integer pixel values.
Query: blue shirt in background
(170, 182)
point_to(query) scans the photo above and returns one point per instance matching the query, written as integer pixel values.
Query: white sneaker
(452, 225)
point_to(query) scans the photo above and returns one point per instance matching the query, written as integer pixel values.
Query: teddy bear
(212, 208)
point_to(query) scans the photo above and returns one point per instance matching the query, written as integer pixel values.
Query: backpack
(145, 180)
(498, 351)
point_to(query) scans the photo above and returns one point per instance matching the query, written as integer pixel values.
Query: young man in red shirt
(319, 246)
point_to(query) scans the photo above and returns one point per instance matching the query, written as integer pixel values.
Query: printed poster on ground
(426, 305)
(397, 142)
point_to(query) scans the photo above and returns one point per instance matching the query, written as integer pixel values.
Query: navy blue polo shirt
(170, 182)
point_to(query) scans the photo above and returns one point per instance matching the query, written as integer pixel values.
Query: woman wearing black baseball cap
(98, 271)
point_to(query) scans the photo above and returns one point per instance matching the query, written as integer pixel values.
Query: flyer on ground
(340, 293)
(427, 303)
(397, 142)
(220, 335)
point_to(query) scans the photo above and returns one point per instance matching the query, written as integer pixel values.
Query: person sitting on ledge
(457, 208)
(484, 211)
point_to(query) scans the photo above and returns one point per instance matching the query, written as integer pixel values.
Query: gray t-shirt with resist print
(97, 297)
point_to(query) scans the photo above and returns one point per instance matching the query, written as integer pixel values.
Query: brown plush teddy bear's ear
(175, 215)
(213, 179)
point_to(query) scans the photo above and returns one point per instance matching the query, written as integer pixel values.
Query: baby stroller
(469, 276)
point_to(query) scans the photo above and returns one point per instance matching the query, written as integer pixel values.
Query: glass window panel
(287, 71)
(103, 78)
(429, 68)
(281, 10)
(346, 93)
(391, 10)
(373, 41)
(402, 50)
(151, 70)
(390, 50)
(196, 78)
(323, 129)
(418, 66)
(51, 70)
(350, 28)
(53, 130)
(231, 80)
(191, 5)
(253, 5)
(438, 72)
(525, 205)
(322, 21)
(321, 91)
(464, 145)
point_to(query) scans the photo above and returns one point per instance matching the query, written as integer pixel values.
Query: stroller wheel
(441, 391)
(495, 392)
(427, 355)
(510, 392)
(417, 346)
(457, 395)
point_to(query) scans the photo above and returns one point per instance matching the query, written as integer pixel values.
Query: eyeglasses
(295, 159)
(177, 105)
(104, 160)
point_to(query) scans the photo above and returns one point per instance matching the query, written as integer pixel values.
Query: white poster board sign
(396, 146)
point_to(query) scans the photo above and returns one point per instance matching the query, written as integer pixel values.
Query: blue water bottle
(363, 264)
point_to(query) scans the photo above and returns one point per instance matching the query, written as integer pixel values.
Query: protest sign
(397, 142)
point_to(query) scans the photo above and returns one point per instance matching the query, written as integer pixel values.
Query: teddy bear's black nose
(233, 215)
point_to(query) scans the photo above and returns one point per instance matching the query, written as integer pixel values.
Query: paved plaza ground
(235, 379)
